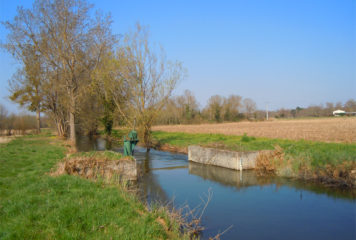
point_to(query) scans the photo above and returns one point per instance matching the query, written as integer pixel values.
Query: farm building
(339, 112)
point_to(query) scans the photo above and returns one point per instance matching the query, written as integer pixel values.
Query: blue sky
(288, 53)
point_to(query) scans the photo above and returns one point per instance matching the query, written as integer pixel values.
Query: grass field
(317, 153)
(335, 129)
(34, 205)
(301, 158)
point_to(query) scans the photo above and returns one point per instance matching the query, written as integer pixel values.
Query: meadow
(35, 205)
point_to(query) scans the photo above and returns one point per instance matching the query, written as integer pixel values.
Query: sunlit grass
(34, 205)
(318, 154)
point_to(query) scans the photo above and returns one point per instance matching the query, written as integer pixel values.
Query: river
(251, 207)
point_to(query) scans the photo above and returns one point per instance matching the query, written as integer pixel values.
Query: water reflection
(257, 207)
(92, 143)
(224, 176)
(153, 161)
(249, 178)
(148, 164)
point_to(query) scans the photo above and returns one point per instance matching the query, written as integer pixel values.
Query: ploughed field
(336, 129)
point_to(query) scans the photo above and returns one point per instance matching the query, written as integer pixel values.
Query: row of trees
(11, 124)
(322, 110)
(185, 109)
(77, 71)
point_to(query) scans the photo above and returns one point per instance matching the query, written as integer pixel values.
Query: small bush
(246, 138)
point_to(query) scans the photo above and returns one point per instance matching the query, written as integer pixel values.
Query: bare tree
(68, 38)
(187, 106)
(249, 106)
(350, 105)
(148, 79)
(171, 113)
(231, 107)
(329, 108)
(215, 107)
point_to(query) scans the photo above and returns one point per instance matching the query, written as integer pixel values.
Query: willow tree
(147, 78)
(69, 39)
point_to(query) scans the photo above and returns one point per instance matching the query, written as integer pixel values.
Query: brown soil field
(336, 129)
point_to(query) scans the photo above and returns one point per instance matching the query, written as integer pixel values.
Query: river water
(251, 207)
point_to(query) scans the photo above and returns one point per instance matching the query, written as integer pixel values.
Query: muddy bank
(170, 148)
(276, 163)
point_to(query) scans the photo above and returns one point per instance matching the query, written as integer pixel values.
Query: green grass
(34, 205)
(315, 154)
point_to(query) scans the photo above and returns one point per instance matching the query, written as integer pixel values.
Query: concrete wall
(222, 158)
(124, 169)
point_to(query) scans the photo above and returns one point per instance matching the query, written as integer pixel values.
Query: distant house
(339, 112)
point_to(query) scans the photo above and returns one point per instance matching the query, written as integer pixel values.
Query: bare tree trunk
(38, 118)
(61, 129)
(72, 135)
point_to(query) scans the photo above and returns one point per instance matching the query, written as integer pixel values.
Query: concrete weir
(223, 158)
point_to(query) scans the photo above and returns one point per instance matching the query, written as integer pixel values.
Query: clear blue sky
(288, 52)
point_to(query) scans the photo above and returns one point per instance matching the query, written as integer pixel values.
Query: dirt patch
(6, 139)
(172, 149)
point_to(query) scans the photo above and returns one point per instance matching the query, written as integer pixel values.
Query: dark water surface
(255, 207)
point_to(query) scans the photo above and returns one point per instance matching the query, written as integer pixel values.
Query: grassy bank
(327, 162)
(34, 205)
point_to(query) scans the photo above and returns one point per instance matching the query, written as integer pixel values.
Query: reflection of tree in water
(108, 145)
(148, 184)
(93, 143)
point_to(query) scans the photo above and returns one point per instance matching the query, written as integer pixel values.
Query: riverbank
(333, 164)
(35, 205)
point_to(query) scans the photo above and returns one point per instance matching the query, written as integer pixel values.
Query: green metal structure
(129, 144)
